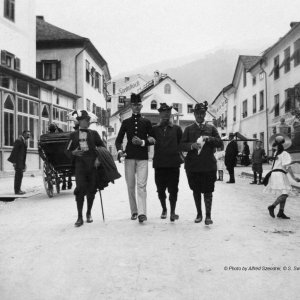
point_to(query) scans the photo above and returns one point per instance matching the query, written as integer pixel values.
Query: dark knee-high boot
(79, 203)
(208, 204)
(197, 199)
(173, 200)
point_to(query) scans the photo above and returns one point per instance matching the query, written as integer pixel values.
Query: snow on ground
(43, 256)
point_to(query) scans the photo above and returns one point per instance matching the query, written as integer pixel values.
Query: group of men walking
(169, 142)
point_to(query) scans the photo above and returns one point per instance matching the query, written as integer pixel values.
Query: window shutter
(58, 70)
(39, 70)
(3, 57)
(180, 108)
(17, 64)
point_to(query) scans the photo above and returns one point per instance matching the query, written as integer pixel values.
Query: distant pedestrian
(277, 181)
(199, 140)
(18, 159)
(167, 160)
(258, 157)
(245, 155)
(220, 155)
(82, 148)
(231, 153)
(138, 130)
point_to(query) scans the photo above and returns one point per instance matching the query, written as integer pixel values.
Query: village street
(43, 256)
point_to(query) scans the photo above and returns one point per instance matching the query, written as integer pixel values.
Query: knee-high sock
(79, 203)
(280, 199)
(208, 203)
(197, 199)
(163, 203)
(282, 204)
(90, 202)
(173, 200)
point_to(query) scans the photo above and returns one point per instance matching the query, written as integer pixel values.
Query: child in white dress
(279, 183)
(220, 155)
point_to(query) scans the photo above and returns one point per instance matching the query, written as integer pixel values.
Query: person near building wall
(199, 140)
(139, 134)
(231, 153)
(258, 157)
(167, 160)
(82, 149)
(18, 159)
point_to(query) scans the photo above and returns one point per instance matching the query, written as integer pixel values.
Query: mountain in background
(202, 75)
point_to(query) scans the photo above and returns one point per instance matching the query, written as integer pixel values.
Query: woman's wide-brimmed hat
(280, 138)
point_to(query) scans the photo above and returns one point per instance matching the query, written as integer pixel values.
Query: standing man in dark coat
(18, 159)
(82, 148)
(199, 140)
(167, 160)
(138, 130)
(231, 153)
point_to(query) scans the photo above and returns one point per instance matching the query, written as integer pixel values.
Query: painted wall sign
(129, 87)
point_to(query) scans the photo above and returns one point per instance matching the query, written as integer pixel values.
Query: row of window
(255, 107)
(27, 118)
(291, 96)
(286, 63)
(102, 114)
(94, 78)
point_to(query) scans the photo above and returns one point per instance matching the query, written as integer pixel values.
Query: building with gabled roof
(161, 89)
(265, 92)
(73, 63)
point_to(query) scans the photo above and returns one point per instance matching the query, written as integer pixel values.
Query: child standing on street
(220, 155)
(278, 182)
(257, 160)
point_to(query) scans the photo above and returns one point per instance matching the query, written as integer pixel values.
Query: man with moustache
(200, 140)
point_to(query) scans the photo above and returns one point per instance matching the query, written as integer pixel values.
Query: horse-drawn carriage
(57, 167)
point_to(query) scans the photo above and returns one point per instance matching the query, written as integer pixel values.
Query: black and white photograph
(149, 149)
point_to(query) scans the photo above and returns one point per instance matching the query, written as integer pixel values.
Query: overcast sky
(133, 33)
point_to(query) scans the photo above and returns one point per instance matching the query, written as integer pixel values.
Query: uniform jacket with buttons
(205, 161)
(135, 126)
(166, 148)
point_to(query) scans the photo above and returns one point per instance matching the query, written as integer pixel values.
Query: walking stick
(101, 206)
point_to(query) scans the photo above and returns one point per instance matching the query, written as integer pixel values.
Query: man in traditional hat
(231, 153)
(199, 140)
(138, 130)
(82, 148)
(167, 160)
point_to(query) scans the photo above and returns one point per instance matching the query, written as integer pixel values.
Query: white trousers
(136, 175)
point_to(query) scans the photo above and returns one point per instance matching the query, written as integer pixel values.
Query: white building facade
(25, 102)
(265, 90)
(72, 63)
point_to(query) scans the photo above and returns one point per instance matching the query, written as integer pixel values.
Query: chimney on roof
(40, 18)
(293, 24)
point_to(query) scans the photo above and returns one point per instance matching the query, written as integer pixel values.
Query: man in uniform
(18, 159)
(231, 153)
(199, 140)
(167, 160)
(137, 130)
(82, 148)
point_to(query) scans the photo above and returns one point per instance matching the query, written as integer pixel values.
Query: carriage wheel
(47, 179)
